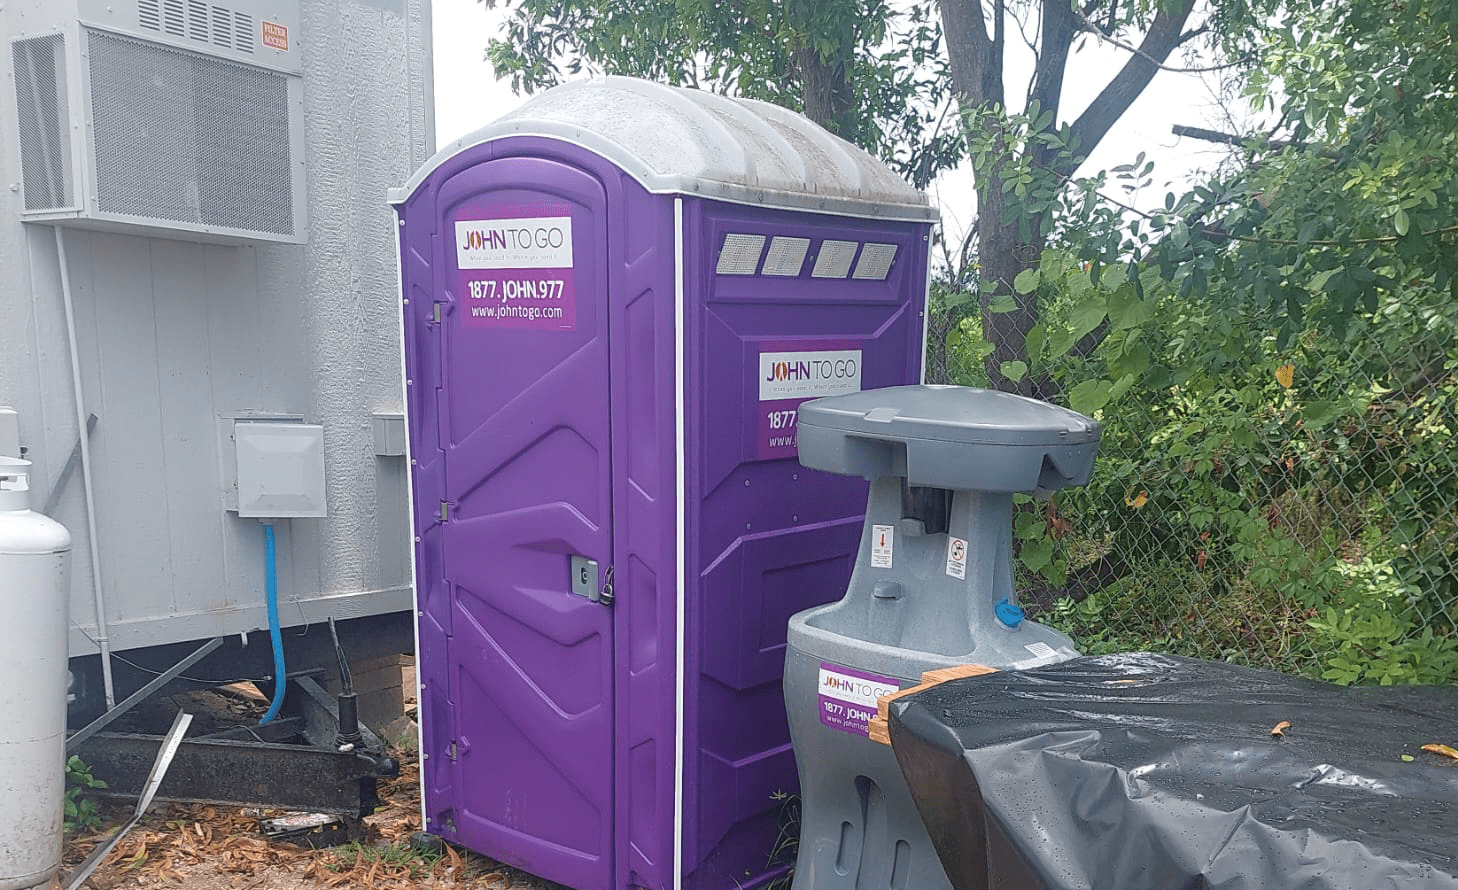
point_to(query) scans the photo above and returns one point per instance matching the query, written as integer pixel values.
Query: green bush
(81, 813)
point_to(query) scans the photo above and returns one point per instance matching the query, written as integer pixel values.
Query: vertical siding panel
(131, 517)
(233, 322)
(190, 474)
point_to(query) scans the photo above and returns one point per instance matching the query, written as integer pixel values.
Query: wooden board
(879, 728)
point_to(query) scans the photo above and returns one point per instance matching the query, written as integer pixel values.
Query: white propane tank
(34, 551)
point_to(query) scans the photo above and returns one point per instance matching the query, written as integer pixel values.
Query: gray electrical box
(280, 469)
(389, 434)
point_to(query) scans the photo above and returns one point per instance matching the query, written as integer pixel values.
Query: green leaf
(1027, 281)
(1127, 310)
(1089, 396)
(1014, 370)
(1087, 315)
(1035, 554)
(1400, 222)
(1002, 303)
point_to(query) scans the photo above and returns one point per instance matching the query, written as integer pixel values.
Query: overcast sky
(468, 96)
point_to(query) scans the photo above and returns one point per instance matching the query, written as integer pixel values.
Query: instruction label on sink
(883, 541)
(848, 697)
(957, 558)
(791, 372)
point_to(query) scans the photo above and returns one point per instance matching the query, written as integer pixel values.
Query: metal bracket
(584, 577)
(132, 700)
(160, 764)
(584, 581)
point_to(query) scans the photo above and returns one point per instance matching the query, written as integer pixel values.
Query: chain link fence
(1295, 510)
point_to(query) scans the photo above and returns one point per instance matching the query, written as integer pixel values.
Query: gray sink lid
(956, 414)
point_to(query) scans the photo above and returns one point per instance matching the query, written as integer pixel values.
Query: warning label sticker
(957, 558)
(848, 697)
(883, 538)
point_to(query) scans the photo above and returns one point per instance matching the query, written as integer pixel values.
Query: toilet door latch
(585, 583)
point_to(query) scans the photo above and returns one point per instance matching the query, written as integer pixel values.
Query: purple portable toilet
(615, 298)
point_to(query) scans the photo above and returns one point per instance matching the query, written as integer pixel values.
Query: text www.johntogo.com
(527, 312)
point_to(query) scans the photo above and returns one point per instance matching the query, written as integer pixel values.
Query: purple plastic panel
(767, 538)
(528, 482)
(523, 626)
(552, 434)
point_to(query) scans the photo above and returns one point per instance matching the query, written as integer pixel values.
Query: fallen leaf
(1280, 728)
(1137, 500)
(1443, 750)
(1407, 758)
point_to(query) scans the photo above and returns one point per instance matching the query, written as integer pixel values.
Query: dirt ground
(218, 848)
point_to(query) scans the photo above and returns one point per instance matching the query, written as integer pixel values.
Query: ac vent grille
(189, 139)
(242, 32)
(198, 20)
(149, 14)
(875, 262)
(222, 27)
(174, 17)
(740, 254)
(40, 103)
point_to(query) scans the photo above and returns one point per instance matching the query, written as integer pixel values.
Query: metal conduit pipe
(98, 593)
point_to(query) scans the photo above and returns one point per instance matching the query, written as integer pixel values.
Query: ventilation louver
(200, 21)
(44, 122)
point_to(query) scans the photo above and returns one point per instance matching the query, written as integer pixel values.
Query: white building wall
(175, 337)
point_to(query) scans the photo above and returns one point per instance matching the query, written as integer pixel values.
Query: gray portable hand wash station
(932, 588)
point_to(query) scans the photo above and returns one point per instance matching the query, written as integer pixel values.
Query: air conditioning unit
(182, 118)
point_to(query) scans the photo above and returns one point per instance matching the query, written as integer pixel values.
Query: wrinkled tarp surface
(1138, 771)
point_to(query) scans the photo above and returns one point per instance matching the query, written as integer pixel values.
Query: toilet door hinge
(452, 752)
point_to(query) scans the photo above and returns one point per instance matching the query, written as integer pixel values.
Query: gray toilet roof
(683, 141)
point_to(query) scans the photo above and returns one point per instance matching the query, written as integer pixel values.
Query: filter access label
(848, 697)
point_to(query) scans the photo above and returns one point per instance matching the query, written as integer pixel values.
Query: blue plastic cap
(1008, 613)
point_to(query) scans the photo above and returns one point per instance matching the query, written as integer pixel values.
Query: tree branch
(1058, 29)
(976, 73)
(1220, 138)
(1181, 40)
(1120, 93)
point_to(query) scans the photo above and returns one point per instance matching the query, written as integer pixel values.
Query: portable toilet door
(611, 526)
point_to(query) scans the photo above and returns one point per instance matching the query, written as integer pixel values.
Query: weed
(81, 813)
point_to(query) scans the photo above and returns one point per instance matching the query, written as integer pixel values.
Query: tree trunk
(826, 93)
(1009, 242)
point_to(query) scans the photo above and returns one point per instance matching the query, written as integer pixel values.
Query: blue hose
(280, 675)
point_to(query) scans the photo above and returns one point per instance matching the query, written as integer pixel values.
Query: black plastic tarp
(1140, 771)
